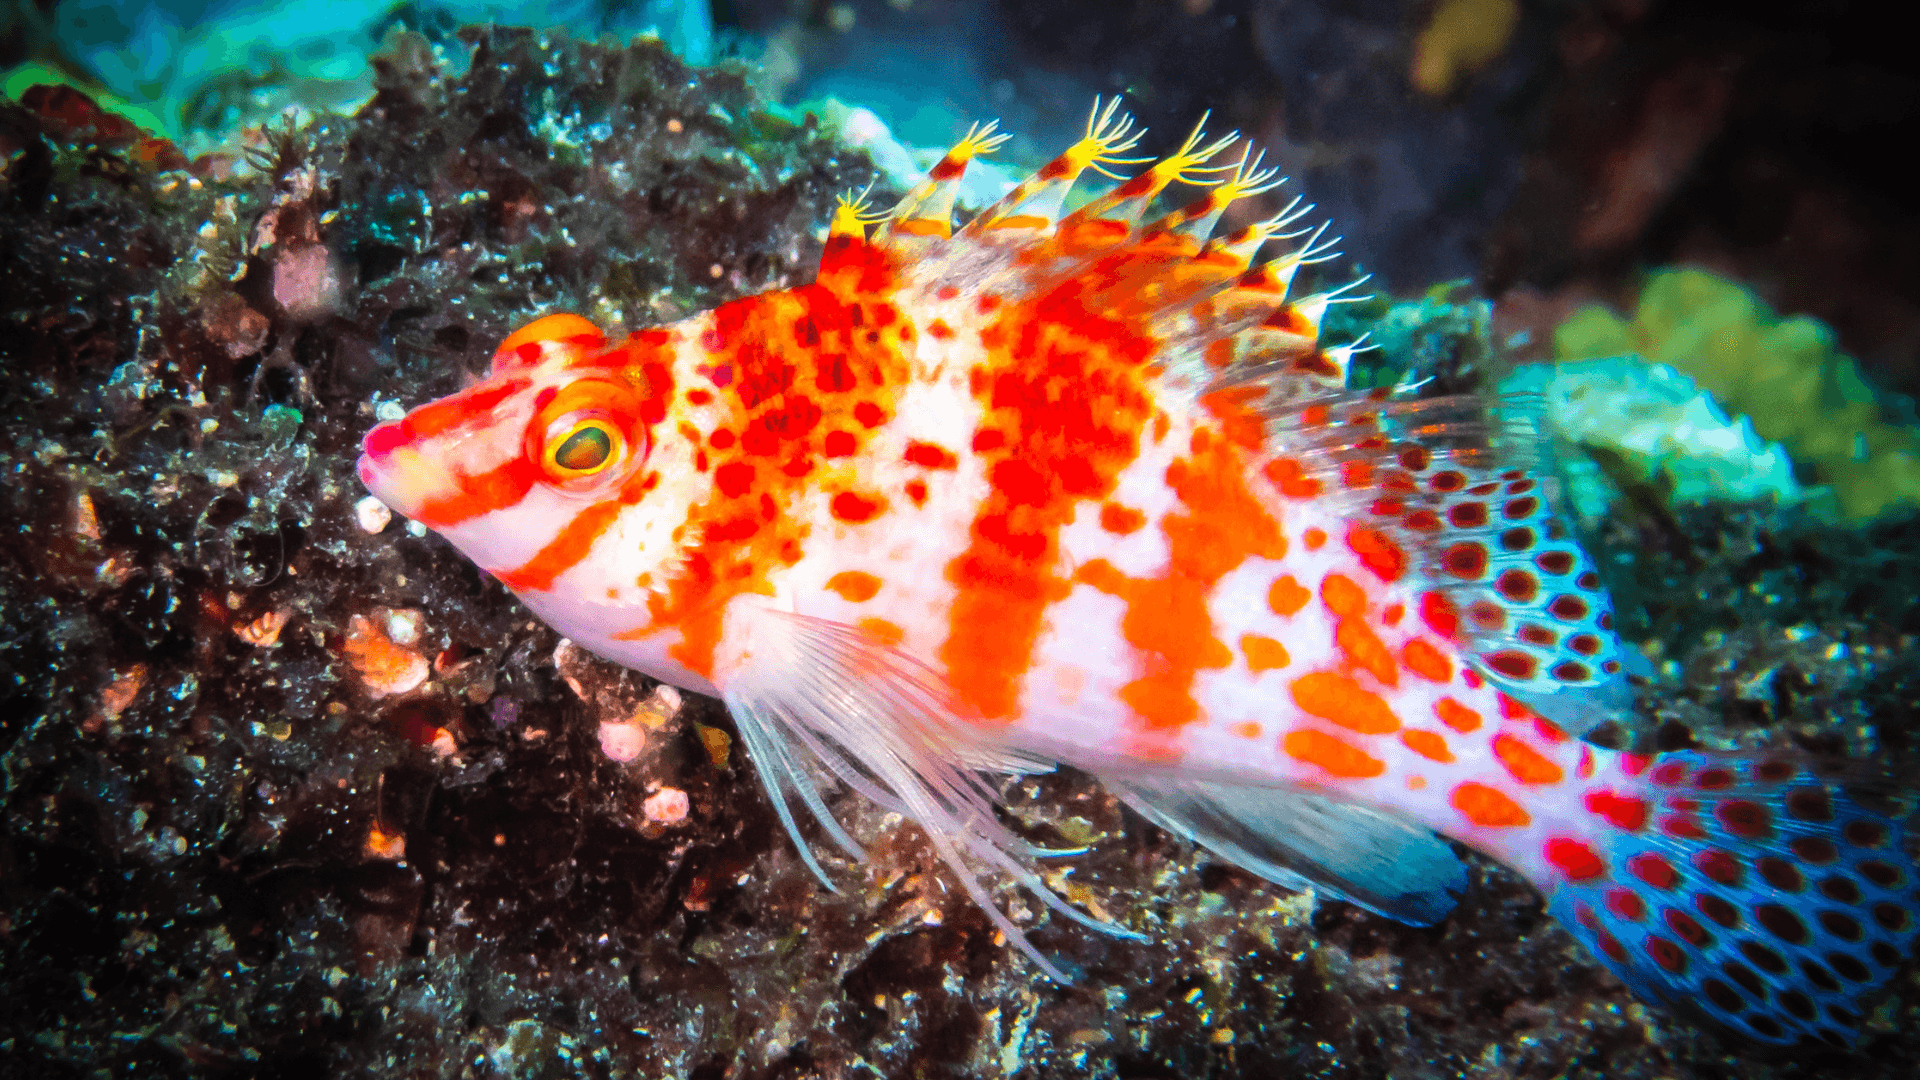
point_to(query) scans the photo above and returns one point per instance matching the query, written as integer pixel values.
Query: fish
(1081, 485)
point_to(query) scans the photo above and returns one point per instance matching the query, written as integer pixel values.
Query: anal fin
(1300, 839)
(816, 691)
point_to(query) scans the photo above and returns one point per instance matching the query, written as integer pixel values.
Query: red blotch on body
(1626, 904)
(1575, 859)
(1666, 954)
(1622, 811)
(930, 456)
(1745, 818)
(734, 479)
(855, 509)
(1682, 827)
(1438, 612)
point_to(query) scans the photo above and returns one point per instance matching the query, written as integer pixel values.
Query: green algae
(1784, 373)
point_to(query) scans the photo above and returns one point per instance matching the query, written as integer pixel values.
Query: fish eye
(587, 436)
(592, 445)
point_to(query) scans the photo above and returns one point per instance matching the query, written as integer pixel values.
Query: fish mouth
(376, 449)
(390, 469)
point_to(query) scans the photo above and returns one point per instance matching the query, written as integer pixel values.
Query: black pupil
(587, 448)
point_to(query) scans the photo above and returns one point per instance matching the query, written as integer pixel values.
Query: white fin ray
(878, 719)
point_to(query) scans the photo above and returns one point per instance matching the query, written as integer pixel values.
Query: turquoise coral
(1659, 429)
(1786, 374)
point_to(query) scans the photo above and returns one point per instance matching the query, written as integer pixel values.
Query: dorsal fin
(1201, 298)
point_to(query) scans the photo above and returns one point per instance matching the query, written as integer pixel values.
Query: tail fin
(1772, 897)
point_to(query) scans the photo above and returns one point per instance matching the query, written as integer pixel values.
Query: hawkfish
(1084, 487)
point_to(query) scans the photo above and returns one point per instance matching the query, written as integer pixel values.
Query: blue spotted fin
(1773, 898)
(1457, 481)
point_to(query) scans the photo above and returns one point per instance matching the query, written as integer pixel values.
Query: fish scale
(1085, 488)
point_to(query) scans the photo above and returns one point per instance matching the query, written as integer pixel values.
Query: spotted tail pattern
(1758, 891)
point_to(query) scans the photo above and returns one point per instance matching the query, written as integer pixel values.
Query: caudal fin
(1774, 898)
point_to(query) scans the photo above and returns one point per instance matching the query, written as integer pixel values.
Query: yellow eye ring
(586, 448)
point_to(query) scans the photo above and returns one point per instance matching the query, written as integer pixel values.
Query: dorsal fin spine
(1110, 134)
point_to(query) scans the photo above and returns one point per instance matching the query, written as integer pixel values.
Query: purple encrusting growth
(1769, 897)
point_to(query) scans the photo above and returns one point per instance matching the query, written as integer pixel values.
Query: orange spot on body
(1428, 744)
(1378, 553)
(854, 586)
(1263, 653)
(1338, 698)
(1456, 716)
(1286, 596)
(881, 631)
(1167, 621)
(1336, 756)
(917, 492)
(1245, 729)
(1315, 538)
(1233, 408)
(1524, 763)
(1426, 661)
(1342, 596)
(1365, 651)
(1291, 479)
(1121, 520)
(1488, 807)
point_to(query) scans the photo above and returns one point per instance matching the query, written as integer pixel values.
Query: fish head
(552, 471)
